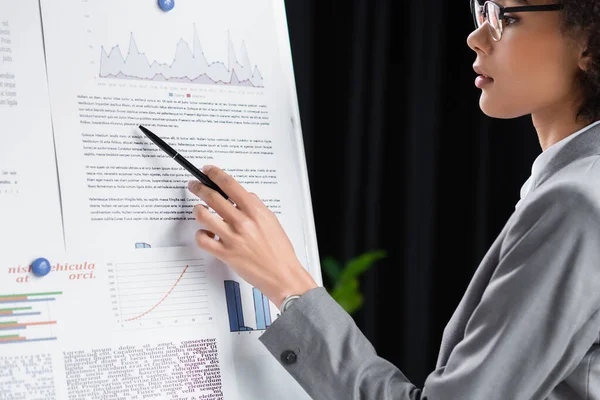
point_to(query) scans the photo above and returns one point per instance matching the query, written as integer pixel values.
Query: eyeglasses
(493, 13)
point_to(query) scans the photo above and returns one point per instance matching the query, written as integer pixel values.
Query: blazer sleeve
(537, 318)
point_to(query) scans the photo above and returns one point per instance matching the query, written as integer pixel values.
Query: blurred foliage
(344, 284)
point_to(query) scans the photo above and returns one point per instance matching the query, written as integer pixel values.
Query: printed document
(30, 217)
(209, 79)
(166, 323)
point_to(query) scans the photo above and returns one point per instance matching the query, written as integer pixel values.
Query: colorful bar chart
(235, 310)
(26, 317)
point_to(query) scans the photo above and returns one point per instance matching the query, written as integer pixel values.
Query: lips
(481, 82)
(481, 72)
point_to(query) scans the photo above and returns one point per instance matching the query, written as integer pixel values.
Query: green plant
(345, 286)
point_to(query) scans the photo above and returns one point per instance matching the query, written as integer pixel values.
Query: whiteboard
(131, 308)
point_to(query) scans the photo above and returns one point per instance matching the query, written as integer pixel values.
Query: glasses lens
(477, 11)
(493, 17)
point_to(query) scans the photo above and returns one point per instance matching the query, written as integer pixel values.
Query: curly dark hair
(583, 17)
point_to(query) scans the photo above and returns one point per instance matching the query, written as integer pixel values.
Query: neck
(557, 121)
(555, 126)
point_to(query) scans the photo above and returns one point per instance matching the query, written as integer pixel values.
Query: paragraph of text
(169, 112)
(186, 371)
(27, 377)
(8, 84)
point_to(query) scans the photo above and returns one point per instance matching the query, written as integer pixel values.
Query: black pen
(184, 163)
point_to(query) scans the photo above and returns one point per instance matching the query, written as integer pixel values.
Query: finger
(205, 240)
(210, 221)
(255, 200)
(254, 206)
(233, 188)
(214, 200)
(209, 233)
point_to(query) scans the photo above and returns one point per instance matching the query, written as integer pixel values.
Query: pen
(184, 163)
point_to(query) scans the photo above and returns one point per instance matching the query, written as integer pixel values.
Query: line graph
(161, 300)
(158, 294)
(189, 65)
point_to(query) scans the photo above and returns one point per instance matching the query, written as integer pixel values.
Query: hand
(249, 238)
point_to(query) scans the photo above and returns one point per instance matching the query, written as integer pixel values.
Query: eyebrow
(517, 2)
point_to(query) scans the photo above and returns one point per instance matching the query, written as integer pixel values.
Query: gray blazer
(526, 328)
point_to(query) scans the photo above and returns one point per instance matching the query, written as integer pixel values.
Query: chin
(501, 111)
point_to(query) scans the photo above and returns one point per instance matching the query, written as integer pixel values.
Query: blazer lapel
(584, 145)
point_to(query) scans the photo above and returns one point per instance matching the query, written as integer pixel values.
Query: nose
(480, 40)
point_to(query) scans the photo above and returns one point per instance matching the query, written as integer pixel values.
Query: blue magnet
(166, 5)
(40, 266)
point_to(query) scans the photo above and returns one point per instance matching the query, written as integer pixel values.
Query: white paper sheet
(30, 218)
(136, 324)
(210, 79)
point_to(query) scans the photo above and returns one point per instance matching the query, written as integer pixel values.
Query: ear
(585, 60)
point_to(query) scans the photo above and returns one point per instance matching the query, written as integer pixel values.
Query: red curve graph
(161, 300)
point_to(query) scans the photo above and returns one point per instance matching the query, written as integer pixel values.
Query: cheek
(527, 78)
(535, 70)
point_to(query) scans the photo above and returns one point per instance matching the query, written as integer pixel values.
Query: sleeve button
(288, 357)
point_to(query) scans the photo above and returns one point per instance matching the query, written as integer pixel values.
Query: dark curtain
(401, 158)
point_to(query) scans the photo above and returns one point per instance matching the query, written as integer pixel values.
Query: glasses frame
(503, 10)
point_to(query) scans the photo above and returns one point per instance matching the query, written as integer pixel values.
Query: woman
(528, 325)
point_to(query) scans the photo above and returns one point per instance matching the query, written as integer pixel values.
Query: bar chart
(27, 317)
(235, 310)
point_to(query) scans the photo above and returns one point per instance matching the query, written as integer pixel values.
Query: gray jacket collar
(586, 144)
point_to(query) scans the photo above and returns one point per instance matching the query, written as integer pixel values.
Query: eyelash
(507, 20)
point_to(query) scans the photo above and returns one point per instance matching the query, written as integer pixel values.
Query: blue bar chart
(237, 322)
(262, 310)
